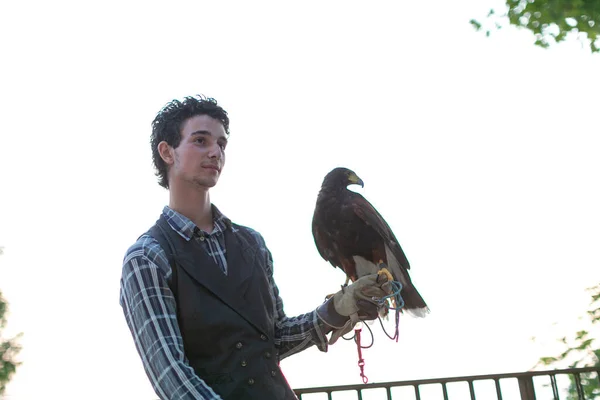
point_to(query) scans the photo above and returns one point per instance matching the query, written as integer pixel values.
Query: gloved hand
(354, 303)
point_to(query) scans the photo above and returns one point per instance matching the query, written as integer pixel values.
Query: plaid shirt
(150, 310)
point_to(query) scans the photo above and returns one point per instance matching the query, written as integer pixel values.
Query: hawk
(352, 235)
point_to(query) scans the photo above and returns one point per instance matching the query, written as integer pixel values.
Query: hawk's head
(340, 178)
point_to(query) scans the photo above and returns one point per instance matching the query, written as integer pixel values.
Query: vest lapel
(232, 289)
(241, 261)
(243, 258)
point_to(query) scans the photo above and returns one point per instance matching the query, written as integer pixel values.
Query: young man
(197, 290)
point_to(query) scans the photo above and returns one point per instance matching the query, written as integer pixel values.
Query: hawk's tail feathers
(413, 302)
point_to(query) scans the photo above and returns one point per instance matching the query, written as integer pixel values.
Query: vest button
(244, 363)
(250, 381)
(273, 373)
(268, 355)
(202, 238)
(238, 345)
(263, 337)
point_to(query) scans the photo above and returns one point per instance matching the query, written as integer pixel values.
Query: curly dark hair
(168, 122)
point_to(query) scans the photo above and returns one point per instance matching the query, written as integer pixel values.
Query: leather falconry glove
(354, 303)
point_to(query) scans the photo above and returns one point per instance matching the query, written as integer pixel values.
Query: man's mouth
(211, 166)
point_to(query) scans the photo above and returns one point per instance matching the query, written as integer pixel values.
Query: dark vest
(226, 321)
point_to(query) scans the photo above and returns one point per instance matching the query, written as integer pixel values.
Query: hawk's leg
(384, 271)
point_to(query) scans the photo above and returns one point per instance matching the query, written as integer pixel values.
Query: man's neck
(195, 205)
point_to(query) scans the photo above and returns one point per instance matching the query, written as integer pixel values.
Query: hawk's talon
(384, 271)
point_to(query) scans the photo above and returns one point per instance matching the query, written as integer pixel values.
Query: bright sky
(482, 154)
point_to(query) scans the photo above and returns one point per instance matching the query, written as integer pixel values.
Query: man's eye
(222, 146)
(200, 140)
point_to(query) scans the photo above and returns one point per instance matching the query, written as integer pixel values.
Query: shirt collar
(186, 228)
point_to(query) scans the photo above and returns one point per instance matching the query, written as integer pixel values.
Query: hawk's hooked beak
(356, 180)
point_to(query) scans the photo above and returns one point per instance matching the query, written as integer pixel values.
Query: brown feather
(346, 225)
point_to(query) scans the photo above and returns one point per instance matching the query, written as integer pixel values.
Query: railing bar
(329, 395)
(445, 390)
(498, 391)
(554, 386)
(580, 394)
(388, 392)
(472, 390)
(359, 391)
(526, 388)
(417, 392)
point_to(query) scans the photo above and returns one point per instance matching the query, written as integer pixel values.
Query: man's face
(200, 157)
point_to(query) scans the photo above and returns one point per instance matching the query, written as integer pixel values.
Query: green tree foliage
(581, 351)
(549, 20)
(8, 348)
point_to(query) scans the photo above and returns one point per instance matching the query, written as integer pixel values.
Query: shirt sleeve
(150, 311)
(294, 334)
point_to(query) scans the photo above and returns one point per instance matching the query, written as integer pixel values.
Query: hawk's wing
(365, 211)
(324, 244)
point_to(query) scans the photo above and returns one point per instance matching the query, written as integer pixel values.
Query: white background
(481, 153)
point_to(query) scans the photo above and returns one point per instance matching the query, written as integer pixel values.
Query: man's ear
(166, 152)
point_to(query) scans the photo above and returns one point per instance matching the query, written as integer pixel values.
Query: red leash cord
(361, 361)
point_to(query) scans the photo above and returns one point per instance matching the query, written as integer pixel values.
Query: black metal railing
(576, 383)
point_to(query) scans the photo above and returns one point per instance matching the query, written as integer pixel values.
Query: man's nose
(215, 151)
